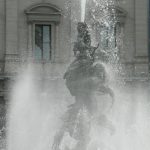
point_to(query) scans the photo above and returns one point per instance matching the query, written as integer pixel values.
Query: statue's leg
(68, 123)
(83, 141)
(82, 134)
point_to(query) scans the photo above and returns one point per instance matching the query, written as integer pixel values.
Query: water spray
(83, 10)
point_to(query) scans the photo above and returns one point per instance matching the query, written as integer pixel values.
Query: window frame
(36, 14)
(53, 41)
(116, 30)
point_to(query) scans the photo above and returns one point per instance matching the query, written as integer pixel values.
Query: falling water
(83, 9)
(35, 110)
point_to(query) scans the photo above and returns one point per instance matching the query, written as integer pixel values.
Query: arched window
(43, 20)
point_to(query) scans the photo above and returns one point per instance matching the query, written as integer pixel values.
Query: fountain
(83, 9)
(81, 115)
(84, 78)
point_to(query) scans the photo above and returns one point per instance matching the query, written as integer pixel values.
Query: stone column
(11, 55)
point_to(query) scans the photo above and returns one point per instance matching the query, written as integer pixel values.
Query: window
(109, 23)
(107, 36)
(43, 31)
(42, 50)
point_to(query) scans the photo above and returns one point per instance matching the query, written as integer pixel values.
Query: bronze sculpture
(83, 78)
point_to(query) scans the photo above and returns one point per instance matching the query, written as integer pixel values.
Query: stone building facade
(26, 24)
(132, 17)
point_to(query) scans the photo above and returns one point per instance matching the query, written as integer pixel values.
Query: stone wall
(136, 37)
(18, 35)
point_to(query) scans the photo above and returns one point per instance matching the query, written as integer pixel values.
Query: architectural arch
(43, 12)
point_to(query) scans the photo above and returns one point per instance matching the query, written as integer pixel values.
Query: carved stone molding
(44, 12)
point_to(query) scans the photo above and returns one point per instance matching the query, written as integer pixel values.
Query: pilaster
(141, 31)
(12, 53)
